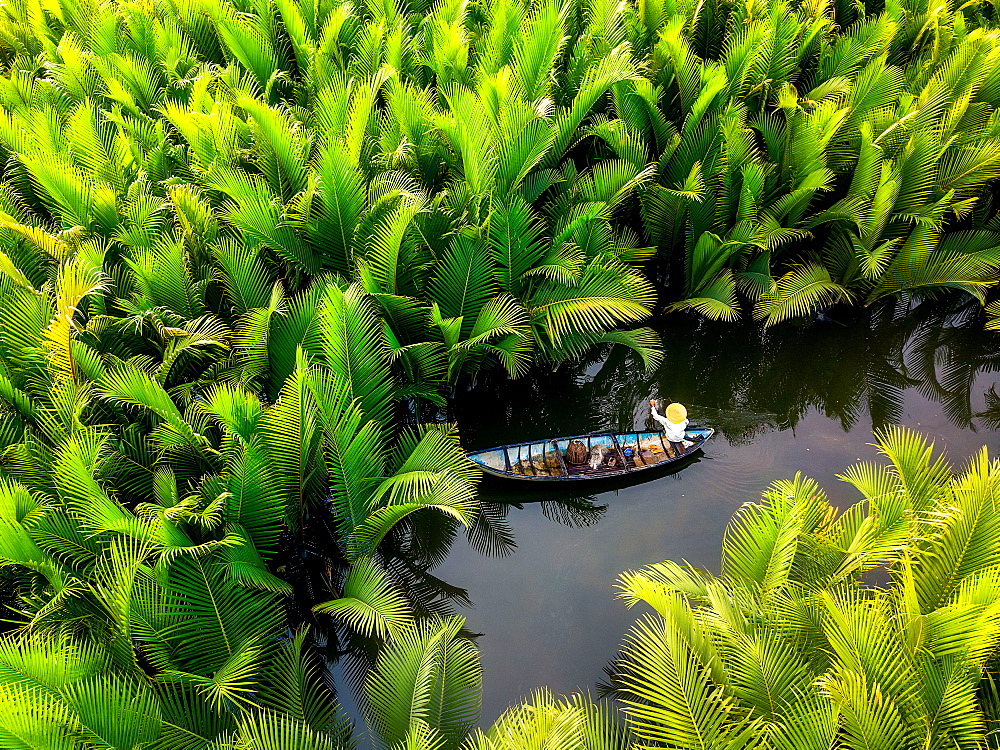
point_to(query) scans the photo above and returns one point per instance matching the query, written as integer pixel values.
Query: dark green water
(794, 398)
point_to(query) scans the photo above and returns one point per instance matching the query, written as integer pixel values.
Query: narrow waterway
(793, 398)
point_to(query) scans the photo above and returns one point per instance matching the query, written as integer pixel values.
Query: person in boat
(674, 423)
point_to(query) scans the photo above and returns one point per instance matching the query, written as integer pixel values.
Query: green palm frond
(189, 721)
(422, 737)
(247, 40)
(120, 713)
(464, 280)
(199, 622)
(717, 301)
(554, 722)
(245, 565)
(608, 294)
(993, 311)
(292, 442)
(355, 349)
(960, 541)
(282, 149)
(432, 472)
(669, 696)
(428, 674)
(922, 475)
(53, 661)
(500, 329)
(254, 498)
(613, 68)
(247, 281)
(342, 202)
(515, 241)
(962, 261)
(29, 721)
(97, 511)
(766, 673)
(293, 684)
(232, 683)
(799, 292)
(253, 342)
(760, 545)
(541, 40)
(257, 213)
(129, 386)
(371, 603)
(643, 341)
(870, 719)
(264, 730)
(392, 247)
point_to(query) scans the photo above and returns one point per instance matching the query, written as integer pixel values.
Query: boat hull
(608, 454)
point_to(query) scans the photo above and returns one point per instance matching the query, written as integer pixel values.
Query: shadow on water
(746, 380)
(535, 573)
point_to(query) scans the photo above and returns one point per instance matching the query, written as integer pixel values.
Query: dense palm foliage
(212, 167)
(875, 627)
(488, 173)
(813, 167)
(142, 528)
(244, 247)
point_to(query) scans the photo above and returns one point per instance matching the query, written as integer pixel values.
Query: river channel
(796, 397)
(536, 579)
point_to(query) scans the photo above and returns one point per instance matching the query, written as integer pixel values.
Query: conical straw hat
(676, 413)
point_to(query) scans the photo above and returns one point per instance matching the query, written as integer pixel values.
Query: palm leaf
(463, 281)
(429, 674)
(355, 349)
(292, 443)
(370, 602)
(799, 292)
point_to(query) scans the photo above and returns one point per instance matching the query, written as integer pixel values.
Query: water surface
(798, 397)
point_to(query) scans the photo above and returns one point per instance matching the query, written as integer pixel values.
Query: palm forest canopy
(248, 250)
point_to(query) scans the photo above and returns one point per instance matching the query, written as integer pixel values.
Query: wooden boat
(609, 454)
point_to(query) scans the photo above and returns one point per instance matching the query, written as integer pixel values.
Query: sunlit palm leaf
(428, 674)
(371, 603)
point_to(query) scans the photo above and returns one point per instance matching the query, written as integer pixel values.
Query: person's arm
(657, 416)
